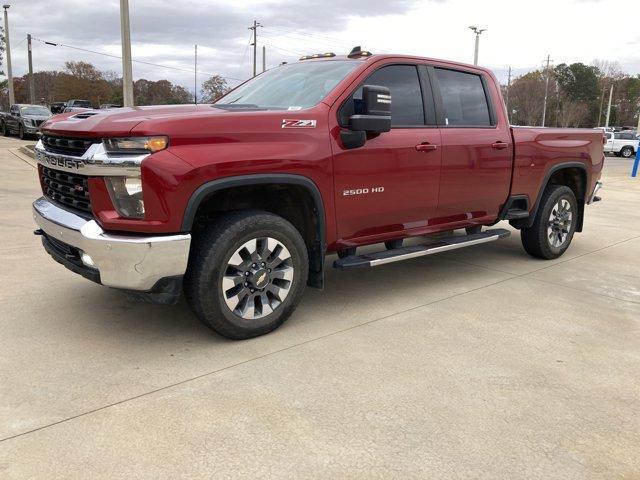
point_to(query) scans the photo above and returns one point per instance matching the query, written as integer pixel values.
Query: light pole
(32, 88)
(546, 91)
(478, 32)
(12, 98)
(127, 70)
(606, 123)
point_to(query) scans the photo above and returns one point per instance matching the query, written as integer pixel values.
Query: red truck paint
(465, 181)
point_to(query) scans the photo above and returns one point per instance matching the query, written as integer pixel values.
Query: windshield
(81, 103)
(35, 111)
(289, 87)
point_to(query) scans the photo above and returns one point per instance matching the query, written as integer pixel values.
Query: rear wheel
(554, 225)
(246, 274)
(626, 152)
(3, 129)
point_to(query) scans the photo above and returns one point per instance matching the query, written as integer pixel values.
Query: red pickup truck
(237, 203)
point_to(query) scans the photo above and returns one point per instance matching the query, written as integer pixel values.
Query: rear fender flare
(560, 166)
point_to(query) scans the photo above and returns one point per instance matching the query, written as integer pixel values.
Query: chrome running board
(405, 253)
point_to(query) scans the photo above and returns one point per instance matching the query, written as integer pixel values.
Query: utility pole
(546, 92)
(264, 58)
(604, 88)
(478, 32)
(12, 98)
(508, 87)
(195, 79)
(32, 88)
(127, 70)
(255, 44)
(606, 124)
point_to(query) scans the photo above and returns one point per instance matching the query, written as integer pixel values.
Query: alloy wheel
(258, 278)
(559, 224)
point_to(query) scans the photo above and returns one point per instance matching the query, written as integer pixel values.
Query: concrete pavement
(480, 363)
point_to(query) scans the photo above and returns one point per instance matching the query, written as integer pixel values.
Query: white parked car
(622, 144)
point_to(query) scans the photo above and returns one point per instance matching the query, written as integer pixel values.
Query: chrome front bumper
(123, 261)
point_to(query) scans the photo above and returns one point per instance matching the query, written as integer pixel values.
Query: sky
(519, 34)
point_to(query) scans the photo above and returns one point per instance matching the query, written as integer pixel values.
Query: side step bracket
(405, 253)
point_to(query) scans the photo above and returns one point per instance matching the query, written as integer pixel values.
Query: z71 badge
(298, 123)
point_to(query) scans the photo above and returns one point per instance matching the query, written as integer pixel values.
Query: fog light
(87, 260)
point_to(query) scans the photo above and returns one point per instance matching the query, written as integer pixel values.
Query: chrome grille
(67, 189)
(75, 147)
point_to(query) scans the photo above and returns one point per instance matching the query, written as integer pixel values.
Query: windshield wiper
(237, 106)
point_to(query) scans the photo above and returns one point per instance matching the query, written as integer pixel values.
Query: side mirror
(374, 119)
(376, 116)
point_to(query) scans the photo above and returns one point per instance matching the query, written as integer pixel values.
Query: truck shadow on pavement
(349, 298)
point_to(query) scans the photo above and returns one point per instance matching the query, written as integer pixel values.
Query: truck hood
(120, 121)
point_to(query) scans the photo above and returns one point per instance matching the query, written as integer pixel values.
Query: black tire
(626, 152)
(536, 239)
(209, 262)
(4, 129)
(21, 133)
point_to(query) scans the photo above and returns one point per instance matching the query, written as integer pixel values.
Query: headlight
(126, 195)
(139, 145)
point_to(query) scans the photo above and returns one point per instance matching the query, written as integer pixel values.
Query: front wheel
(246, 273)
(21, 133)
(554, 225)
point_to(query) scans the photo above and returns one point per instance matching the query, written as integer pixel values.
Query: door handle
(426, 147)
(499, 145)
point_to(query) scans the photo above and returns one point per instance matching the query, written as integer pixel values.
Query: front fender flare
(316, 256)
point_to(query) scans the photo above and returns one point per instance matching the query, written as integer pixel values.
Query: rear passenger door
(476, 151)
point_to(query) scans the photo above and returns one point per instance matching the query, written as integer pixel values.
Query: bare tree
(214, 88)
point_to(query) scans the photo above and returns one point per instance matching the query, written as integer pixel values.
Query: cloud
(165, 32)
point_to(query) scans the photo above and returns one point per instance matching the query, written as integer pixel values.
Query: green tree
(578, 94)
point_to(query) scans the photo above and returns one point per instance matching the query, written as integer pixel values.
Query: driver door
(389, 186)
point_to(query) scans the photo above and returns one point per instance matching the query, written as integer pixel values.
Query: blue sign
(636, 163)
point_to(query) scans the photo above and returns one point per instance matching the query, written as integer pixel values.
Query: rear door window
(464, 100)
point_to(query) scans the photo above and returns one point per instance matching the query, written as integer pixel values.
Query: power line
(283, 49)
(319, 37)
(136, 61)
(307, 41)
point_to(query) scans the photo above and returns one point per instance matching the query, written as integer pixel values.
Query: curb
(25, 150)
